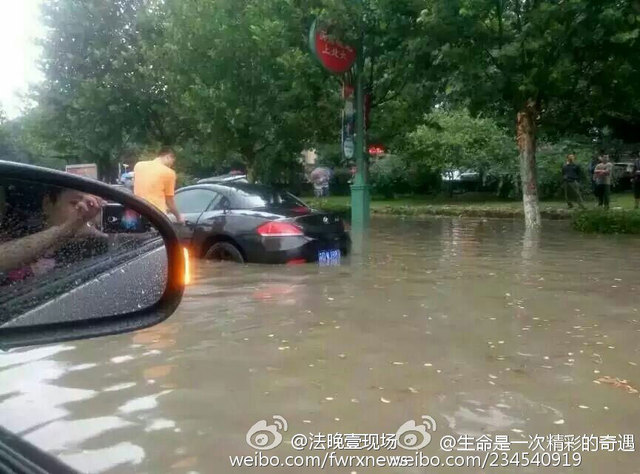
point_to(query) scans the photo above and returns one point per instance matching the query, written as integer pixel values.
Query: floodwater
(471, 322)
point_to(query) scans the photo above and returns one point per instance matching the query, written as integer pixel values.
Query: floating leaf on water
(413, 390)
(342, 356)
(355, 400)
(584, 407)
(558, 422)
(491, 376)
(337, 419)
(384, 400)
(329, 399)
(632, 363)
(283, 348)
(618, 383)
(306, 421)
(398, 363)
(427, 364)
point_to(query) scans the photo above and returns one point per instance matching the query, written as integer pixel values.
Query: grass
(469, 204)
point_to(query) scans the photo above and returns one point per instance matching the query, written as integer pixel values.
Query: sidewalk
(462, 205)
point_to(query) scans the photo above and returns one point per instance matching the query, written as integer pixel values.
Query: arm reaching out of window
(26, 250)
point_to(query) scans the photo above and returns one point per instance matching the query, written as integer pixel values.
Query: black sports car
(244, 222)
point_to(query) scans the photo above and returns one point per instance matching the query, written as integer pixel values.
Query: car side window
(223, 203)
(194, 201)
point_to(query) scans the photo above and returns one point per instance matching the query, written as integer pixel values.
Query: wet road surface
(471, 322)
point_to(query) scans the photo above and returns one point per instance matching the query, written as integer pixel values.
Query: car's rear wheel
(224, 252)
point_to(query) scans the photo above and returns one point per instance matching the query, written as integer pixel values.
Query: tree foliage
(456, 140)
(565, 64)
(231, 83)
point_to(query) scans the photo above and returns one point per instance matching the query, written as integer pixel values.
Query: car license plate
(329, 258)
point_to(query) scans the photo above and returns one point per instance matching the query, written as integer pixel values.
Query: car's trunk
(320, 223)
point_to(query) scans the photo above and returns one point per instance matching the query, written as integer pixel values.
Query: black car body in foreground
(254, 223)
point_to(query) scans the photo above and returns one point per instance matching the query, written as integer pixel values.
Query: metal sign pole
(360, 198)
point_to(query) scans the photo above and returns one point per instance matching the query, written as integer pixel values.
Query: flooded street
(467, 321)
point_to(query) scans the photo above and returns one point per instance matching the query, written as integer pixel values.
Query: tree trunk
(526, 133)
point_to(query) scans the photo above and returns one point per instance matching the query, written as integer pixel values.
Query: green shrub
(389, 176)
(607, 222)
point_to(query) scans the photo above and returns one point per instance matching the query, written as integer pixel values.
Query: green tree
(100, 94)
(243, 82)
(566, 62)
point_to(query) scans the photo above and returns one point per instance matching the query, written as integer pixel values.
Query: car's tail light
(279, 229)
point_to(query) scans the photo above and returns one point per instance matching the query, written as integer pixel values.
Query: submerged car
(253, 223)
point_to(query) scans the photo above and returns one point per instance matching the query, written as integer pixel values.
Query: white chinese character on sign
(555, 442)
(389, 441)
(465, 443)
(335, 441)
(589, 443)
(483, 443)
(318, 441)
(501, 443)
(353, 441)
(608, 442)
(627, 443)
(535, 443)
(372, 442)
(571, 443)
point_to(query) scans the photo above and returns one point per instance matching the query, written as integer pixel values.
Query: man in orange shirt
(155, 181)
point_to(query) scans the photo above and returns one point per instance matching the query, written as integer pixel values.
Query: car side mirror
(80, 259)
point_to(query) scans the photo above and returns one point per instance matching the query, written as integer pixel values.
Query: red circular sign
(333, 55)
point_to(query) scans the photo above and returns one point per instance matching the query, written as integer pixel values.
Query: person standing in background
(571, 174)
(602, 177)
(155, 181)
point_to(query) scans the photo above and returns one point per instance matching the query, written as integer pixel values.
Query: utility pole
(360, 198)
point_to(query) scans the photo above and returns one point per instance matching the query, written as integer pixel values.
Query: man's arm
(171, 205)
(169, 191)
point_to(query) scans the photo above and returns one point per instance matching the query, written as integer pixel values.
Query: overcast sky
(19, 26)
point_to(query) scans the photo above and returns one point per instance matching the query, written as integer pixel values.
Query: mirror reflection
(66, 256)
